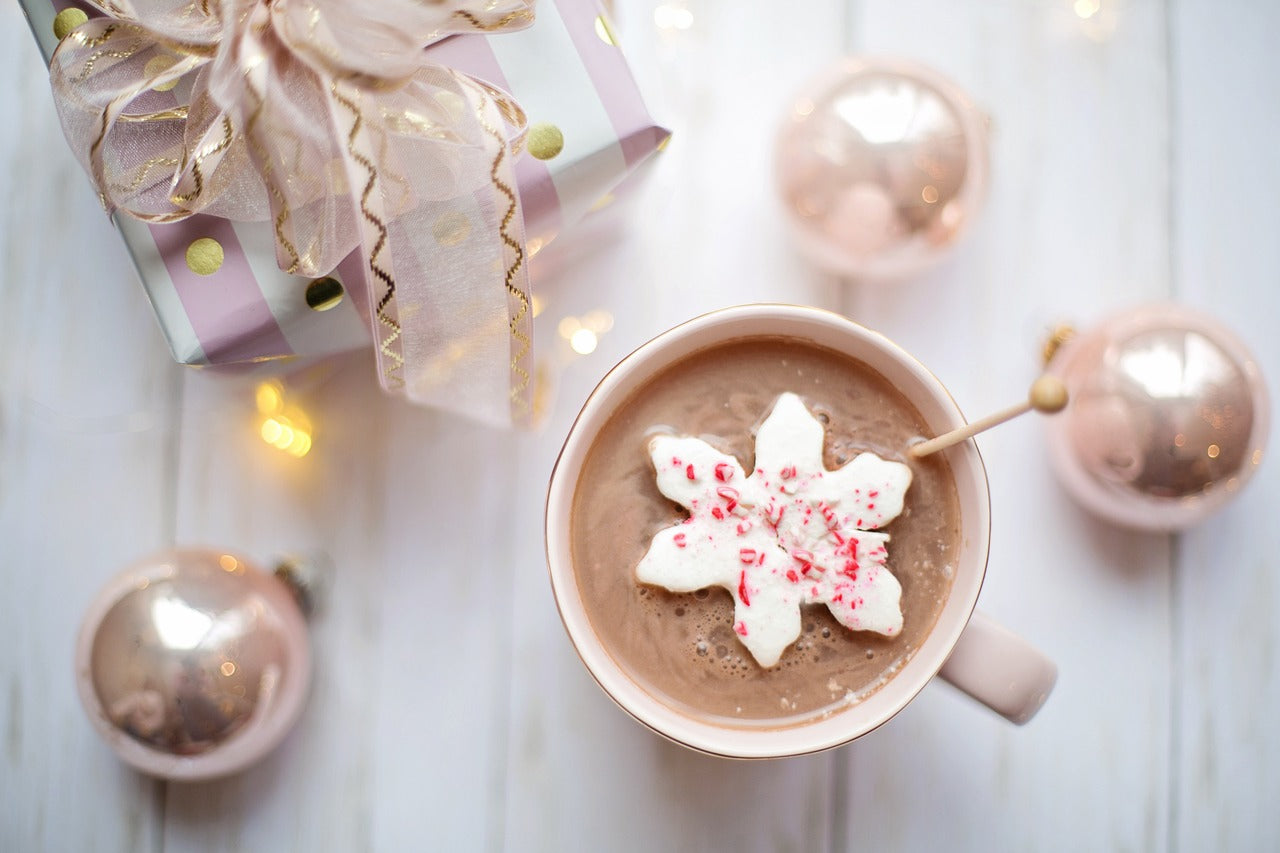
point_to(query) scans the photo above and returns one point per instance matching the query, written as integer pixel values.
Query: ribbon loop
(326, 118)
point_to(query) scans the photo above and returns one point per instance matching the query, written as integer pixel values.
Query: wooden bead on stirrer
(1047, 395)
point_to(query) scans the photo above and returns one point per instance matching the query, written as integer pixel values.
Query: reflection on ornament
(880, 166)
(1168, 418)
(284, 427)
(193, 664)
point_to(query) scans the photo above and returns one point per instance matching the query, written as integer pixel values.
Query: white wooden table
(1133, 159)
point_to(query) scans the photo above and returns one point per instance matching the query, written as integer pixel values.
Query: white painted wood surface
(1132, 160)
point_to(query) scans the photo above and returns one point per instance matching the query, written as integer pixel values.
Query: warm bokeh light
(270, 397)
(598, 321)
(672, 16)
(289, 432)
(567, 326)
(583, 333)
(271, 431)
(584, 341)
(286, 428)
(1086, 8)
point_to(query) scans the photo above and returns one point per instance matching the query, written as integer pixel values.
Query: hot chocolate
(683, 646)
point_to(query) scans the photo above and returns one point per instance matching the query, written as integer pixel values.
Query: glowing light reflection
(670, 16)
(179, 625)
(1086, 9)
(584, 341)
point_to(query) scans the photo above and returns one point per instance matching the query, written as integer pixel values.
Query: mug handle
(1000, 669)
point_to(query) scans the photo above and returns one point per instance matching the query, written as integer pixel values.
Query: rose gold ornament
(880, 164)
(193, 664)
(1167, 421)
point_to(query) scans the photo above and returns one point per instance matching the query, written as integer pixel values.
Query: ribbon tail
(448, 277)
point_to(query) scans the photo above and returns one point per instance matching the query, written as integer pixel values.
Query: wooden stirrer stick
(1047, 395)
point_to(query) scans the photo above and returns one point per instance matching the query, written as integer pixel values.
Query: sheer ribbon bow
(326, 118)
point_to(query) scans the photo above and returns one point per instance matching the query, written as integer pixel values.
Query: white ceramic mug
(970, 651)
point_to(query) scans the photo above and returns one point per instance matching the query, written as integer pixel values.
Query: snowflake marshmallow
(789, 533)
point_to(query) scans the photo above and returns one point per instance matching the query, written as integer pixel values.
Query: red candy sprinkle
(747, 555)
(788, 472)
(743, 527)
(678, 539)
(689, 472)
(742, 588)
(872, 494)
(792, 576)
(724, 472)
(740, 628)
(718, 513)
(729, 495)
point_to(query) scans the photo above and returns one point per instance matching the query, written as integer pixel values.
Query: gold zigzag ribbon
(388, 345)
(520, 375)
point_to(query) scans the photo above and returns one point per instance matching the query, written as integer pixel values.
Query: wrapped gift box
(566, 71)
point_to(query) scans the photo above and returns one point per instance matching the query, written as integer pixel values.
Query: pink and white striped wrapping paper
(564, 70)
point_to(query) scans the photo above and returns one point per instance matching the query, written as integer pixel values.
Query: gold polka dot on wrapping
(66, 21)
(324, 293)
(204, 256)
(604, 31)
(157, 65)
(545, 141)
(451, 228)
